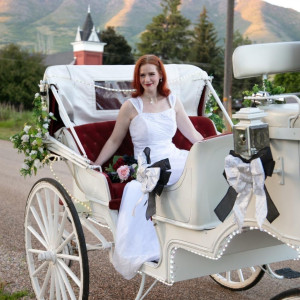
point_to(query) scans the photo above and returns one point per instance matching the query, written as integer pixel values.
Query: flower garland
(122, 169)
(30, 139)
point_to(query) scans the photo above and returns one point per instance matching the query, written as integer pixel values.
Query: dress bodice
(153, 130)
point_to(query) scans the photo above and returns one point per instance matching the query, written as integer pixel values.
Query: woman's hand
(94, 166)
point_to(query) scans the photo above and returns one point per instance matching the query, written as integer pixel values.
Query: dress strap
(137, 104)
(172, 100)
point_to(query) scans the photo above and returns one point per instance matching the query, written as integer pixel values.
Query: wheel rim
(55, 247)
(240, 279)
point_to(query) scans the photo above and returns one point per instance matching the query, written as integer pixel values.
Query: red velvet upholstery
(93, 137)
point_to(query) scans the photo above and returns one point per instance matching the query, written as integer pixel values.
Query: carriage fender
(191, 201)
(91, 183)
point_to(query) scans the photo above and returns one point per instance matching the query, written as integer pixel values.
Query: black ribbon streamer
(225, 206)
(164, 177)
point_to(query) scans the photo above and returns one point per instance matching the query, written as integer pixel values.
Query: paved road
(105, 283)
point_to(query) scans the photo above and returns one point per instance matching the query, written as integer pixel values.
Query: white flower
(46, 134)
(24, 166)
(38, 135)
(46, 126)
(33, 152)
(51, 114)
(27, 151)
(44, 108)
(34, 142)
(41, 149)
(36, 163)
(26, 128)
(25, 138)
(36, 95)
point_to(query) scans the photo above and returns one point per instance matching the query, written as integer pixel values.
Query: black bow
(225, 206)
(164, 177)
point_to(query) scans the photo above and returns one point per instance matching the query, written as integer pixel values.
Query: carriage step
(288, 273)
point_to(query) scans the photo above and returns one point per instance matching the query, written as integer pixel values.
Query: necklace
(152, 99)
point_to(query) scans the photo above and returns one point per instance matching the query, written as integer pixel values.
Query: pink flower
(123, 172)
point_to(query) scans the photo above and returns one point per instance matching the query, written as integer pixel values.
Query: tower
(87, 47)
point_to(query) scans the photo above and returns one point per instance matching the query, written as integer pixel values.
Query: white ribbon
(247, 179)
(148, 177)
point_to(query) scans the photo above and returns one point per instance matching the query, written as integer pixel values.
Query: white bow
(148, 177)
(247, 178)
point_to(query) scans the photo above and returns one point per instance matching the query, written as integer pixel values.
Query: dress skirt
(136, 239)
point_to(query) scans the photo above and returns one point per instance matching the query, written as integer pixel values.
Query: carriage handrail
(59, 148)
(67, 120)
(276, 97)
(212, 90)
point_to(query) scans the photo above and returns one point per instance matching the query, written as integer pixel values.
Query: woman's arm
(121, 127)
(185, 125)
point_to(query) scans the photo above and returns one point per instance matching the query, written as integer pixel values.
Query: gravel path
(105, 282)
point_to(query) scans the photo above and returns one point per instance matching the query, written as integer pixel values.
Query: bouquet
(122, 169)
(30, 140)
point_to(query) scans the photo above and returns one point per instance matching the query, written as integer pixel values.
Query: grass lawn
(12, 123)
(4, 295)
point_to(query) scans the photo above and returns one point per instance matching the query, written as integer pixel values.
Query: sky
(294, 4)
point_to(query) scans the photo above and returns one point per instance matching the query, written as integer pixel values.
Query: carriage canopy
(95, 93)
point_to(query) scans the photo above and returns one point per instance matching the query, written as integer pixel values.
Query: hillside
(50, 25)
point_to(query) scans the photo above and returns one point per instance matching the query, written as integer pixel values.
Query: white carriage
(194, 242)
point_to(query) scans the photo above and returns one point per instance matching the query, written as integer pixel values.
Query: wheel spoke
(228, 277)
(61, 285)
(62, 227)
(57, 285)
(52, 285)
(45, 283)
(43, 211)
(38, 237)
(69, 257)
(50, 217)
(69, 271)
(65, 242)
(67, 283)
(36, 251)
(56, 215)
(40, 268)
(39, 222)
(240, 274)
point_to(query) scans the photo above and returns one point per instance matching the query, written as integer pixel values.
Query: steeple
(87, 47)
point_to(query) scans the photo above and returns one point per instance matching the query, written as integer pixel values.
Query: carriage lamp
(43, 88)
(250, 134)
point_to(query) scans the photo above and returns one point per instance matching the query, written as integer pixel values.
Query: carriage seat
(94, 135)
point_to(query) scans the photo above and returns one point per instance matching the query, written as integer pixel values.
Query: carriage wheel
(291, 294)
(55, 245)
(239, 280)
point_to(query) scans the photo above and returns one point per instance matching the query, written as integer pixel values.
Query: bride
(152, 117)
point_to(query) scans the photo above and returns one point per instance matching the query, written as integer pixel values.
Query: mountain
(50, 26)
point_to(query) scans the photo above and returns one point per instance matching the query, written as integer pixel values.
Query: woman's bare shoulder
(128, 109)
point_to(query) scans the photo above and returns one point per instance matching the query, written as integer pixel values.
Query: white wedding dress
(136, 240)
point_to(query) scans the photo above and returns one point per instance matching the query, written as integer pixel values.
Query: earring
(160, 80)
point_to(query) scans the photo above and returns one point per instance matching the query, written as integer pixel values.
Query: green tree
(167, 36)
(290, 81)
(20, 73)
(204, 50)
(117, 51)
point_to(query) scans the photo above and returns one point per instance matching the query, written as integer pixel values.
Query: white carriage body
(193, 241)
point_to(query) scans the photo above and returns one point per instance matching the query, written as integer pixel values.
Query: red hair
(162, 87)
